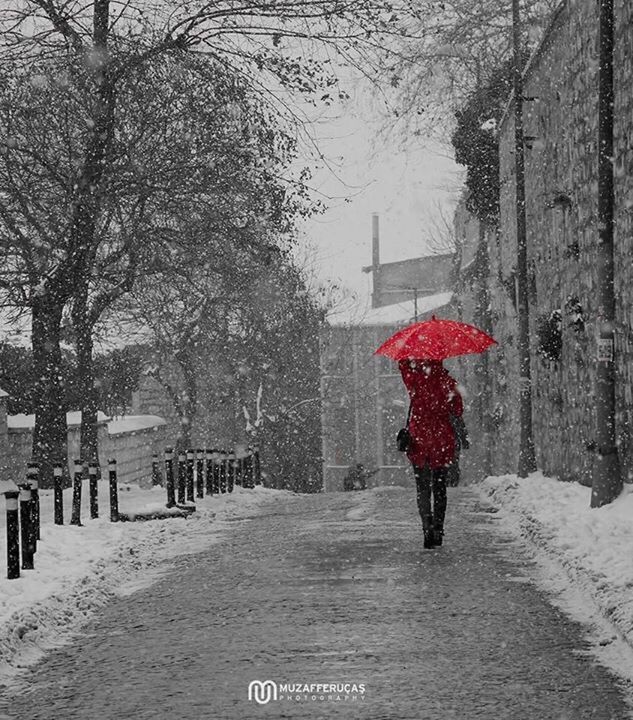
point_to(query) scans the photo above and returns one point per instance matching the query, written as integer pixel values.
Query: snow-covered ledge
(130, 440)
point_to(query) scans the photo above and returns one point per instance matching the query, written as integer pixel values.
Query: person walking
(432, 446)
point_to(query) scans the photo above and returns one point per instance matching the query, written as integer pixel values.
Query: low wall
(131, 441)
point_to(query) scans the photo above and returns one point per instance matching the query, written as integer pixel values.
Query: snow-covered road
(334, 589)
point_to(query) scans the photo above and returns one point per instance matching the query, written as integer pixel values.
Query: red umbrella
(435, 339)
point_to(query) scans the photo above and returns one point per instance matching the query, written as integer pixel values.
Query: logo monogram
(262, 692)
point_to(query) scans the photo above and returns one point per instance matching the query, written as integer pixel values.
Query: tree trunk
(50, 435)
(184, 439)
(88, 448)
(189, 404)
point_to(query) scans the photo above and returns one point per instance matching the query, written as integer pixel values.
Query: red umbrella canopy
(435, 339)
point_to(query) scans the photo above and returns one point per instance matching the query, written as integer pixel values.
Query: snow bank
(79, 569)
(593, 546)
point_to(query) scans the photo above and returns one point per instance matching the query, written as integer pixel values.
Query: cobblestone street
(333, 588)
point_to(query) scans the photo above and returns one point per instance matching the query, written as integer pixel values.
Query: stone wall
(561, 91)
(131, 441)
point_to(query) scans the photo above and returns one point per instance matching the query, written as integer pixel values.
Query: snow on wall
(130, 440)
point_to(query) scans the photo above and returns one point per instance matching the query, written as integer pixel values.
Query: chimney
(375, 242)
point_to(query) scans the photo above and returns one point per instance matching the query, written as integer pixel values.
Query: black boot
(427, 526)
(438, 535)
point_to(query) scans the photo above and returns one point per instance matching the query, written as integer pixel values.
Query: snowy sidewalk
(335, 590)
(80, 569)
(592, 547)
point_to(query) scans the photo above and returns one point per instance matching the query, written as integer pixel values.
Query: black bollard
(199, 473)
(248, 480)
(230, 472)
(114, 491)
(169, 477)
(27, 536)
(58, 478)
(75, 515)
(157, 478)
(224, 470)
(13, 535)
(182, 478)
(236, 469)
(209, 473)
(239, 471)
(93, 475)
(190, 468)
(33, 478)
(257, 467)
(217, 457)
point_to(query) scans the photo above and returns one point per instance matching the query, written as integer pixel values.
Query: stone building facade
(561, 118)
(363, 400)
(364, 405)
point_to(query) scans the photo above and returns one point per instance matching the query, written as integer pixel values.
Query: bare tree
(458, 45)
(188, 169)
(90, 52)
(195, 316)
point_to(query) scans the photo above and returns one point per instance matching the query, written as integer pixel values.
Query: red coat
(434, 398)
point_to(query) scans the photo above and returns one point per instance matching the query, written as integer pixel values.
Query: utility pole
(482, 369)
(607, 476)
(527, 460)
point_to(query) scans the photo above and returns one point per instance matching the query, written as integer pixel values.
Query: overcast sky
(407, 187)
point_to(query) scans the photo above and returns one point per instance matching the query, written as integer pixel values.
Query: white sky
(407, 188)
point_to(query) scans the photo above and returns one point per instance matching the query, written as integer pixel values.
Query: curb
(534, 532)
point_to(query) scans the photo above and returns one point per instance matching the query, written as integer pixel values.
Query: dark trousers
(431, 489)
